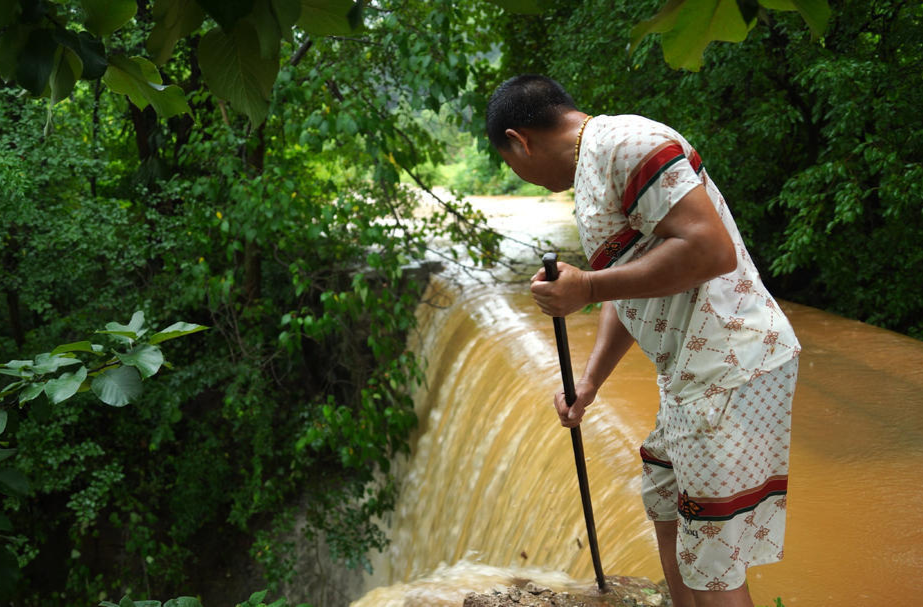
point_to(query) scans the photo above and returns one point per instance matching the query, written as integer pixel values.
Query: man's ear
(518, 139)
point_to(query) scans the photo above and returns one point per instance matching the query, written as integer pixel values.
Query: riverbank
(622, 591)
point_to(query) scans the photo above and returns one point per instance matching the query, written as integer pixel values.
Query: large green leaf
(177, 329)
(816, 13)
(65, 386)
(11, 42)
(7, 454)
(688, 26)
(183, 601)
(91, 51)
(67, 70)
(658, 24)
(139, 79)
(36, 61)
(77, 346)
(144, 357)
(12, 482)
(30, 392)
(234, 69)
(287, 13)
(118, 387)
(227, 12)
(268, 29)
(48, 363)
(325, 17)
(173, 19)
(106, 16)
(4, 417)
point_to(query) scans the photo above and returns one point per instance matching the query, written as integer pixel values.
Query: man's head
(533, 124)
(526, 101)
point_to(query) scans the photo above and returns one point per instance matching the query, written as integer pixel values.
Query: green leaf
(227, 12)
(144, 357)
(287, 13)
(65, 386)
(7, 453)
(325, 17)
(183, 601)
(11, 42)
(816, 13)
(91, 51)
(13, 482)
(77, 346)
(30, 392)
(525, 7)
(118, 387)
(36, 61)
(658, 24)
(268, 30)
(354, 16)
(139, 79)
(173, 19)
(17, 364)
(688, 26)
(46, 363)
(3, 419)
(234, 69)
(106, 16)
(67, 70)
(177, 329)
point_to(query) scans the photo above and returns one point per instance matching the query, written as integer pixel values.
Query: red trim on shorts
(647, 458)
(724, 508)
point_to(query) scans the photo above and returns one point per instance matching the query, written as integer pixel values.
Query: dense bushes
(293, 241)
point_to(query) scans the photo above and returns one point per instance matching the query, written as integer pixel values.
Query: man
(666, 253)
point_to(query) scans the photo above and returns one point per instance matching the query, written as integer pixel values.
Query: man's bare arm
(696, 248)
(612, 342)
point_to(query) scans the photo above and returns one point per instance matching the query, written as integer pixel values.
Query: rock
(622, 592)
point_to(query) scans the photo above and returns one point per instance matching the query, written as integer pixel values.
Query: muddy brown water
(489, 494)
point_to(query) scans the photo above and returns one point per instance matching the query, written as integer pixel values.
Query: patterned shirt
(706, 340)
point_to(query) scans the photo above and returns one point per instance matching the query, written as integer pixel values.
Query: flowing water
(490, 494)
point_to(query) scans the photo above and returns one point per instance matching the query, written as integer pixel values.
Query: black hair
(525, 101)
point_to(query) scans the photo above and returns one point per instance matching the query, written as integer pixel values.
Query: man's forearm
(612, 342)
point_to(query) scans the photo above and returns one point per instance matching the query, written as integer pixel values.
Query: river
(489, 493)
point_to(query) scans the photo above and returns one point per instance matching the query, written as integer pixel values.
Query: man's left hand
(569, 293)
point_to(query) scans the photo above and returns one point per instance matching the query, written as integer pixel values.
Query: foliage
(815, 144)
(115, 379)
(294, 240)
(46, 50)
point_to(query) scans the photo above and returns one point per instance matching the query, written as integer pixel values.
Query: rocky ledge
(621, 592)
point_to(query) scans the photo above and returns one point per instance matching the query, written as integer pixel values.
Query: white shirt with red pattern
(717, 336)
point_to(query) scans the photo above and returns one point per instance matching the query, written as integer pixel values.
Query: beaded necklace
(579, 137)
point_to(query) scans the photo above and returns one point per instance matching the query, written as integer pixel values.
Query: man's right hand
(571, 416)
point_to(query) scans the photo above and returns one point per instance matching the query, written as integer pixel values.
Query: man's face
(535, 168)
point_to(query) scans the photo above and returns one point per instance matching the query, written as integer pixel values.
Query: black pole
(550, 261)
